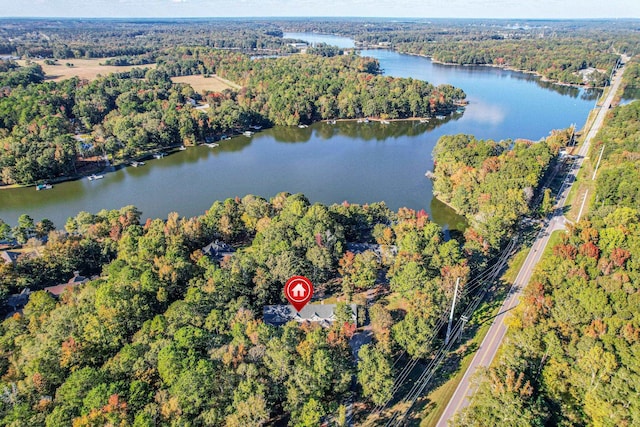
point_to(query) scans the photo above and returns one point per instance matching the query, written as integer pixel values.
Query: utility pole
(453, 306)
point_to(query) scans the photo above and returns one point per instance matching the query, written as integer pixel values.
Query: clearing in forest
(200, 83)
(83, 68)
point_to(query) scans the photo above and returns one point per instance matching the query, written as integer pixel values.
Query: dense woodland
(553, 49)
(168, 337)
(129, 114)
(492, 184)
(573, 349)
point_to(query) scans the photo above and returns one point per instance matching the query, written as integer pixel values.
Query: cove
(360, 163)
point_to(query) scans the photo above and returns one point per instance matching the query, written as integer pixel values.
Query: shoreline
(172, 149)
(92, 171)
(503, 67)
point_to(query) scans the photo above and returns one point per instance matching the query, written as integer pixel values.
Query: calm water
(360, 163)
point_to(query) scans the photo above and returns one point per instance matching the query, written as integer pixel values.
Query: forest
(555, 49)
(127, 115)
(167, 336)
(493, 184)
(571, 356)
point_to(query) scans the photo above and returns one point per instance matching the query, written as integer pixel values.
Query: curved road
(489, 346)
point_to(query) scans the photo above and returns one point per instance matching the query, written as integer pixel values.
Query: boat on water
(159, 155)
(331, 122)
(135, 164)
(365, 120)
(384, 122)
(211, 144)
(424, 120)
(43, 187)
(182, 148)
(303, 126)
(360, 120)
(441, 117)
(93, 177)
(247, 133)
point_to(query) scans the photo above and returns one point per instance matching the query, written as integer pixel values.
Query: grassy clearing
(396, 302)
(200, 83)
(88, 69)
(554, 239)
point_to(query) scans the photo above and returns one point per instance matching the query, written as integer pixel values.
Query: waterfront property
(217, 250)
(323, 314)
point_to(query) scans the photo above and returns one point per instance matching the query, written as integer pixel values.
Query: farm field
(88, 69)
(199, 83)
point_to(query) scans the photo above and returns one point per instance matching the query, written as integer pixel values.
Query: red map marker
(298, 291)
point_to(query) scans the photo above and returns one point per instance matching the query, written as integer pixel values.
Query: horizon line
(168, 18)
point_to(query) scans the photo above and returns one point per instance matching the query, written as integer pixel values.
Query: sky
(520, 9)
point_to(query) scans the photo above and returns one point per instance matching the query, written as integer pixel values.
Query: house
(10, 257)
(76, 280)
(217, 250)
(18, 301)
(324, 314)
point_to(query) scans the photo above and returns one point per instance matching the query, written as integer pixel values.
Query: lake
(360, 163)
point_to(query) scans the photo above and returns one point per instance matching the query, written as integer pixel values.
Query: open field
(200, 83)
(83, 68)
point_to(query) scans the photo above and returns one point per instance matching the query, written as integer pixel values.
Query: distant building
(299, 45)
(217, 250)
(76, 280)
(10, 257)
(278, 315)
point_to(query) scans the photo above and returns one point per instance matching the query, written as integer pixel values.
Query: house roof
(10, 257)
(218, 250)
(322, 313)
(76, 280)
(19, 300)
(58, 289)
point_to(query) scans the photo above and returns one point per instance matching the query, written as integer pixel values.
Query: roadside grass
(554, 239)
(88, 69)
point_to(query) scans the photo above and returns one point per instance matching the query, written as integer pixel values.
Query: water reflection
(446, 216)
(483, 112)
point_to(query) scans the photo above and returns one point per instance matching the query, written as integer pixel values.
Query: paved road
(489, 346)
